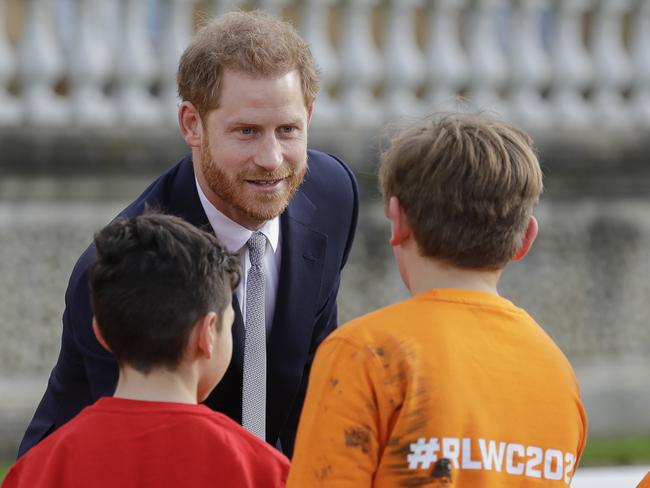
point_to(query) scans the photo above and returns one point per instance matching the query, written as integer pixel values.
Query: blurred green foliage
(617, 451)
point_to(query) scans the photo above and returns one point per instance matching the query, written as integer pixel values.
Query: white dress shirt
(235, 237)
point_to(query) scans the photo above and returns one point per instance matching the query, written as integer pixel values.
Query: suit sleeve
(84, 371)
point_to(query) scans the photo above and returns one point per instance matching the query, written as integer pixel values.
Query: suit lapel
(184, 202)
(303, 254)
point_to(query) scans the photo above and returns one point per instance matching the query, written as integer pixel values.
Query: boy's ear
(400, 228)
(190, 124)
(99, 336)
(527, 241)
(206, 334)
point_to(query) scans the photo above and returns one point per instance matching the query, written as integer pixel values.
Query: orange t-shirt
(449, 388)
(645, 482)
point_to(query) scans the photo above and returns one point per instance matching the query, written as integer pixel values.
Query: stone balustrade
(544, 64)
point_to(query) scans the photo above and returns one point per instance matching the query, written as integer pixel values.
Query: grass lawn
(617, 451)
(599, 452)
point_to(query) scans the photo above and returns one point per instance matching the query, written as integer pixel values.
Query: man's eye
(246, 131)
(287, 129)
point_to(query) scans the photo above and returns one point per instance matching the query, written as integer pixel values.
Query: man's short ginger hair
(467, 183)
(253, 43)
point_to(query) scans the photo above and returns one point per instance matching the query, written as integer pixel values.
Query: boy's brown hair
(153, 277)
(254, 43)
(468, 184)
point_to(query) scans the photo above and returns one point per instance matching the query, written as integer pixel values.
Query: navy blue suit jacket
(317, 232)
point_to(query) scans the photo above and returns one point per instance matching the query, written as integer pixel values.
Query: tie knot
(256, 248)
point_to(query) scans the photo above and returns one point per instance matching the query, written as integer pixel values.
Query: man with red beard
(247, 83)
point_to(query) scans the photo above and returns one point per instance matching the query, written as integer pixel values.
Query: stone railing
(544, 64)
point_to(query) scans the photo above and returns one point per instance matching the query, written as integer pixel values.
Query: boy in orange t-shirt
(161, 296)
(455, 386)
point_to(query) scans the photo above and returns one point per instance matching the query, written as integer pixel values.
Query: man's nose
(269, 155)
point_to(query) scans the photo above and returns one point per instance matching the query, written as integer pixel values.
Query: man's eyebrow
(293, 122)
(243, 123)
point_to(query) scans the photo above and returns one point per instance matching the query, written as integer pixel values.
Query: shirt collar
(230, 233)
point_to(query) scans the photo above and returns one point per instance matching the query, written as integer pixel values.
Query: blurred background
(88, 119)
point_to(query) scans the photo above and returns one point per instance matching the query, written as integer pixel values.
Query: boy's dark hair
(468, 184)
(153, 277)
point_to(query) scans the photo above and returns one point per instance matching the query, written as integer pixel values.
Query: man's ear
(206, 335)
(310, 110)
(99, 336)
(527, 241)
(400, 228)
(190, 124)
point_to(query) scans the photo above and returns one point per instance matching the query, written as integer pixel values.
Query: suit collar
(300, 209)
(185, 201)
(183, 197)
(232, 234)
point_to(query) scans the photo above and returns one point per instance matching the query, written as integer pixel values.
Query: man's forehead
(261, 100)
(234, 78)
(274, 114)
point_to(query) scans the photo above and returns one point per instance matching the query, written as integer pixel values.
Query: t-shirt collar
(233, 235)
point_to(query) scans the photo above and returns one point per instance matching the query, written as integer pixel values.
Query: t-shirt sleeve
(583, 434)
(338, 441)
(273, 471)
(12, 479)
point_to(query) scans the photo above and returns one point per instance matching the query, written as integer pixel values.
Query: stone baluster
(91, 66)
(446, 59)
(222, 6)
(530, 64)
(612, 65)
(487, 63)
(315, 31)
(361, 65)
(273, 7)
(41, 66)
(572, 68)
(403, 60)
(177, 32)
(10, 109)
(641, 57)
(136, 66)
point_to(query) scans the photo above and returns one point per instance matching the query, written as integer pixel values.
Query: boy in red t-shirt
(161, 296)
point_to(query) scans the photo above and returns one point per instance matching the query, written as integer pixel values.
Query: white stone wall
(539, 63)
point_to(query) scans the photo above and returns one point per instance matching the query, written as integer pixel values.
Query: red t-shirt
(131, 443)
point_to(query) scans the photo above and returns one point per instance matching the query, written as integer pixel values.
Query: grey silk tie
(254, 387)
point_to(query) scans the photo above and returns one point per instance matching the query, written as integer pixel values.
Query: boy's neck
(426, 273)
(159, 385)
